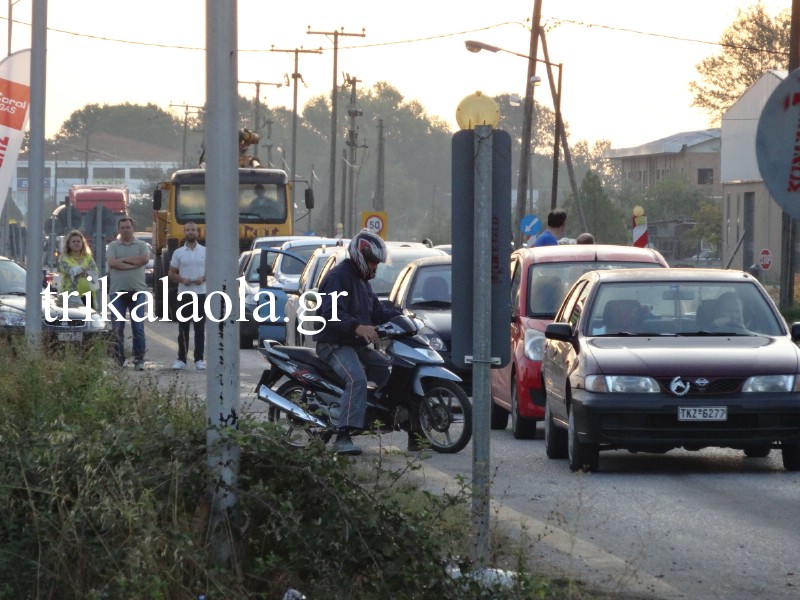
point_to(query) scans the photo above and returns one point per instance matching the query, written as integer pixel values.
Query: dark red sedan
(656, 359)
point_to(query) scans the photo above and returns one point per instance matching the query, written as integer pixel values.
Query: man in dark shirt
(344, 343)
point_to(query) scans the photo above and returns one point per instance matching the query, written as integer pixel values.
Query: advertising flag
(15, 99)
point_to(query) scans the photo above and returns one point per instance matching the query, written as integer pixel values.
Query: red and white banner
(15, 100)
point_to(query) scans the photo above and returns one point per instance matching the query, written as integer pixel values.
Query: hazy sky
(627, 63)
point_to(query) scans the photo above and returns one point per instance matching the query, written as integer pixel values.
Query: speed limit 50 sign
(375, 222)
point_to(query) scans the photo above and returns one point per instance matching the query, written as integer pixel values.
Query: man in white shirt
(188, 269)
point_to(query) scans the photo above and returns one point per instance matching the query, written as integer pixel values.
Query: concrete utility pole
(35, 218)
(295, 76)
(378, 201)
(334, 92)
(186, 111)
(222, 339)
(527, 123)
(257, 110)
(352, 142)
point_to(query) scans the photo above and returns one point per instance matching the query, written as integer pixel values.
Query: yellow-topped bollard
(477, 109)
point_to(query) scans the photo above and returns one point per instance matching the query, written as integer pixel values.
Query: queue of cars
(540, 277)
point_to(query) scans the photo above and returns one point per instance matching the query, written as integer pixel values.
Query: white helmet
(366, 246)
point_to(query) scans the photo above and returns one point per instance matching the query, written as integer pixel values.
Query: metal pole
(222, 340)
(34, 219)
(481, 344)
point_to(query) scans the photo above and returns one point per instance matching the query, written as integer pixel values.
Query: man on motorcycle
(344, 343)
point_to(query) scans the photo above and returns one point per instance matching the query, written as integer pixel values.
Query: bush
(105, 489)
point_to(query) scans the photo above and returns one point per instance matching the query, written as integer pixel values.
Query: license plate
(70, 336)
(702, 413)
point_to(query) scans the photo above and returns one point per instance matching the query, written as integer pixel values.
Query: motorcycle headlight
(534, 344)
(12, 318)
(770, 383)
(434, 339)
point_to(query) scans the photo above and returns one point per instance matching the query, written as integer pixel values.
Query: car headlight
(534, 344)
(770, 383)
(12, 318)
(434, 339)
(621, 384)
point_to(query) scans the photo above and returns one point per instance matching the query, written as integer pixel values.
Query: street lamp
(475, 46)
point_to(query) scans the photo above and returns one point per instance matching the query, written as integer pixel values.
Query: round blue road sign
(530, 225)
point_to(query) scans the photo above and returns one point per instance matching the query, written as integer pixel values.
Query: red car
(540, 278)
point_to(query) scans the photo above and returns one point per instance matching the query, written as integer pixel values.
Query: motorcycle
(421, 396)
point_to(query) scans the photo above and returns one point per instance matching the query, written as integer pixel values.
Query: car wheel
(499, 417)
(522, 428)
(791, 457)
(555, 438)
(245, 342)
(582, 457)
(757, 451)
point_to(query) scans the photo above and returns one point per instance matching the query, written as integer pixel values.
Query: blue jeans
(123, 304)
(199, 334)
(355, 366)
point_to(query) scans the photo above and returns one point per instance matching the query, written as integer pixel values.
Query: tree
(671, 199)
(708, 225)
(752, 44)
(603, 219)
(148, 123)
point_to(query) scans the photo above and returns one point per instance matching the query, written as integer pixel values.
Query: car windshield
(288, 264)
(12, 278)
(432, 287)
(681, 308)
(548, 283)
(387, 273)
(255, 262)
(267, 204)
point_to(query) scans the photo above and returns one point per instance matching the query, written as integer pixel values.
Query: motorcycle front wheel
(445, 416)
(297, 430)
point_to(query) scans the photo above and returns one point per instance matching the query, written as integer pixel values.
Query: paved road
(703, 525)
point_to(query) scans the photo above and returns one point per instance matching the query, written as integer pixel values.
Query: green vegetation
(104, 485)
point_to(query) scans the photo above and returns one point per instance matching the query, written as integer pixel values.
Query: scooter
(421, 396)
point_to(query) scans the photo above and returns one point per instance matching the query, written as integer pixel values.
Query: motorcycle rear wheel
(297, 430)
(445, 416)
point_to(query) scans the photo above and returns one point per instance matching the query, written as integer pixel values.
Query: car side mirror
(796, 332)
(157, 199)
(309, 196)
(558, 331)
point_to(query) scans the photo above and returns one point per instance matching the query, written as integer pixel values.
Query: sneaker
(200, 365)
(179, 364)
(139, 365)
(344, 445)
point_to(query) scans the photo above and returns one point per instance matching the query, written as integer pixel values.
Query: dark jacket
(359, 307)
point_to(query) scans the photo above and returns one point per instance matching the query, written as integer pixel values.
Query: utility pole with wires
(295, 77)
(353, 111)
(257, 111)
(334, 93)
(187, 110)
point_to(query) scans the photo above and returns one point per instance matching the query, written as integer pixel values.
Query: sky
(626, 67)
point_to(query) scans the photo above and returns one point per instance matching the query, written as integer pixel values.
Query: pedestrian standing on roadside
(76, 268)
(126, 258)
(556, 223)
(188, 269)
